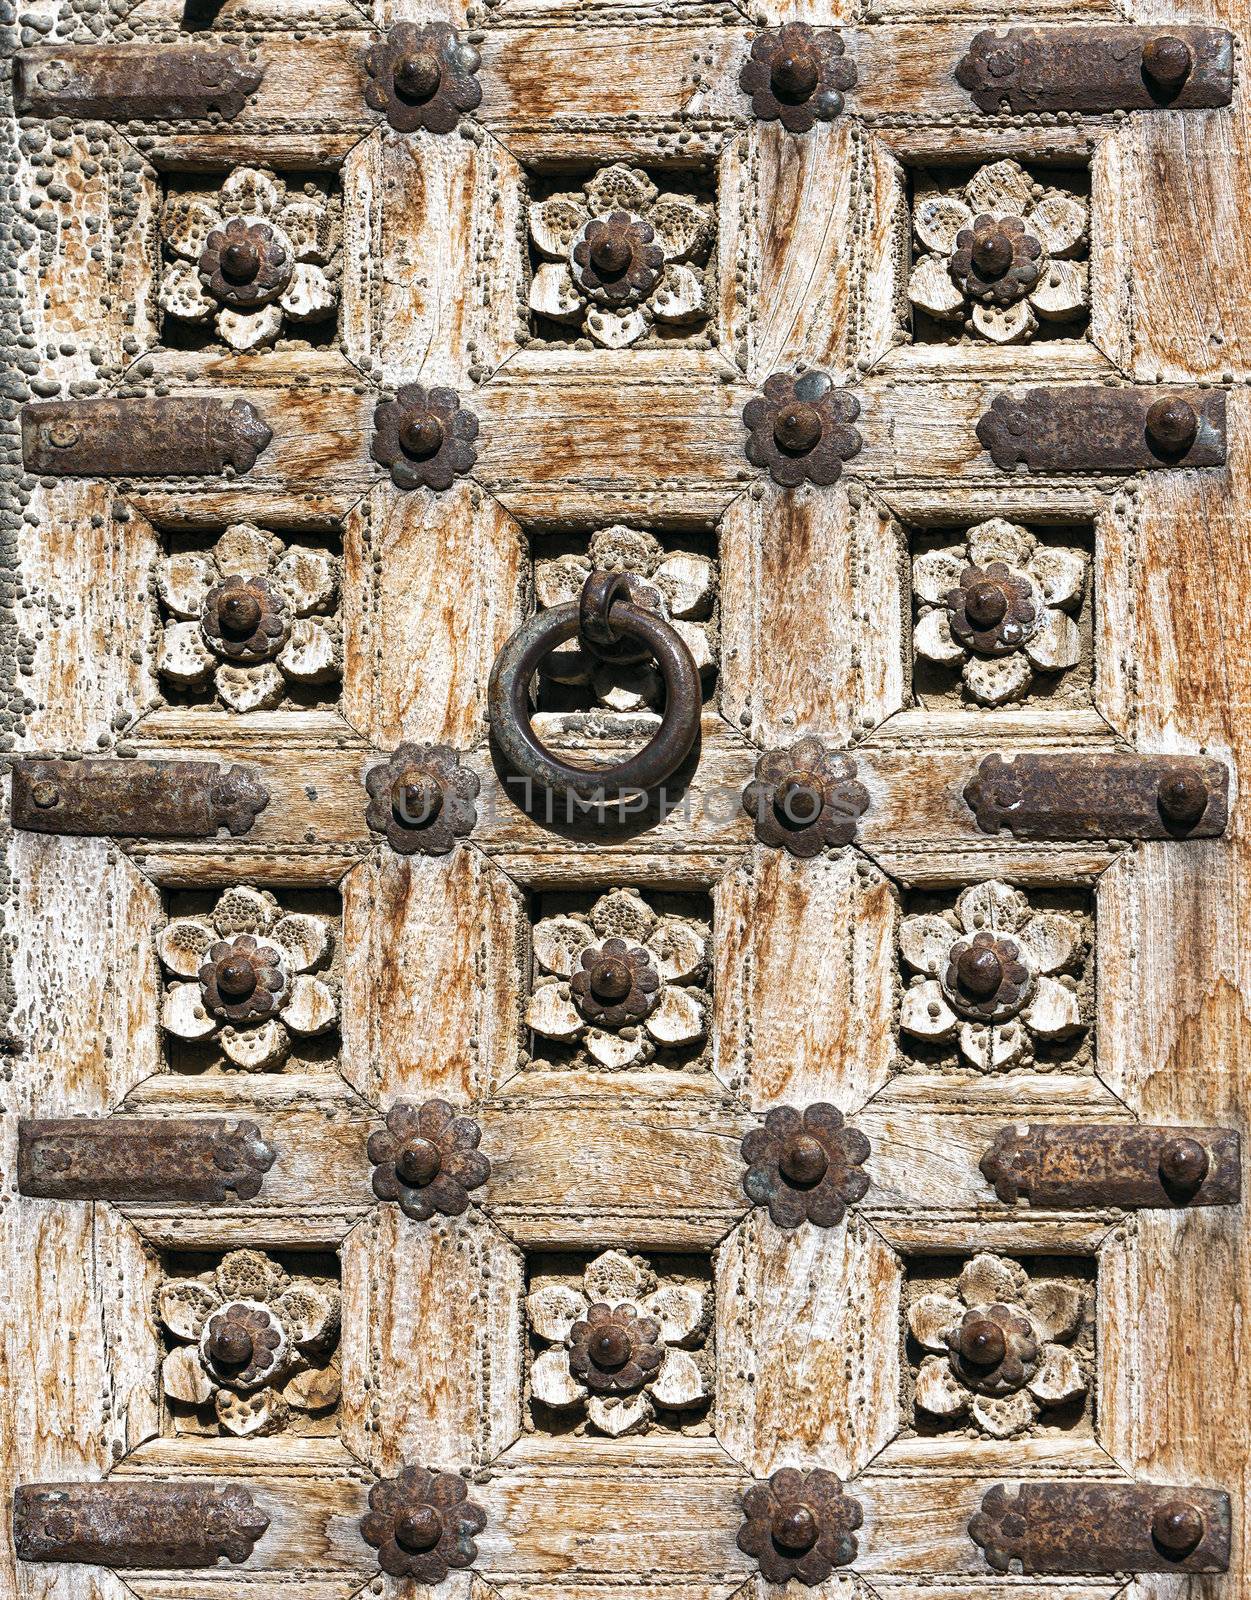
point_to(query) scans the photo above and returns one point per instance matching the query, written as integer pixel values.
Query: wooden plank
(804, 979)
(434, 948)
(432, 1341)
(434, 586)
(796, 1314)
(812, 598)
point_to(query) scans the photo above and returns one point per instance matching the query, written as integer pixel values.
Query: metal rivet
(417, 799)
(236, 977)
(1182, 796)
(419, 1529)
(1172, 424)
(611, 978)
(240, 261)
(798, 801)
(985, 603)
(239, 612)
(418, 1161)
(230, 1345)
(421, 436)
(1167, 60)
(611, 254)
(63, 434)
(1177, 1526)
(417, 77)
(797, 428)
(982, 1342)
(979, 971)
(992, 252)
(794, 1528)
(45, 795)
(610, 1346)
(1183, 1163)
(803, 1160)
(795, 75)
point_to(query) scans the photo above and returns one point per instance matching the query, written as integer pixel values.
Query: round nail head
(230, 1345)
(610, 1347)
(979, 971)
(1183, 1163)
(985, 603)
(236, 977)
(1177, 1527)
(794, 1528)
(799, 801)
(1167, 60)
(611, 255)
(804, 1160)
(982, 1342)
(239, 612)
(418, 1161)
(421, 436)
(419, 1529)
(417, 77)
(45, 794)
(1183, 796)
(795, 75)
(992, 252)
(611, 978)
(417, 799)
(1172, 425)
(797, 428)
(240, 261)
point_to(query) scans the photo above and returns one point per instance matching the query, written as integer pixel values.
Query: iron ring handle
(509, 704)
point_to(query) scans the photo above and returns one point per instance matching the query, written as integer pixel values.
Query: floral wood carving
(797, 76)
(255, 1344)
(805, 798)
(800, 428)
(422, 799)
(998, 606)
(995, 976)
(251, 259)
(1001, 1347)
(998, 253)
(679, 586)
(254, 617)
(427, 1159)
(422, 77)
(422, 1524)
(621, 256)
(799, 1525)
(805, 1166)
(425, 437)
(620, 1344)
(620, 981)
(248, 978)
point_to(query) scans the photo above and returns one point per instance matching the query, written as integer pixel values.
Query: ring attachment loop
(602, 613)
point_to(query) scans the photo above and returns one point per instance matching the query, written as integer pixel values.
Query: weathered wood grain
(797, 1313)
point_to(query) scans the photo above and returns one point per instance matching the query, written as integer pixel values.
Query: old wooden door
(343, 341)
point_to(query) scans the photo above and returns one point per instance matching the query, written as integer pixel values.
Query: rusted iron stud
(422, 1523)
(199, 1159)
(508, 693)
(1113, 68)
(1097, 1528)
(797, 75)
(133, 82)
(800, 428)
(421, 799)
(1101, 428)
(799, 1525)
(425, 437)
(427, 1159)
(1117, 795)
(166, 1525)
(805, 1166)
(159, 437)
(422, 77)
(135, 799)
(1114, 1164)
(805, 798)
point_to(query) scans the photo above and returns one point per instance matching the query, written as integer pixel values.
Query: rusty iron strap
(133, 82)
(1114, 1164)
(196, 1159)
(168, 1525)
(1110, 68)
(156, 437)
(1099, 428)
(607, 617)
(135, 799)
(1103, 1528)
(1112, 795)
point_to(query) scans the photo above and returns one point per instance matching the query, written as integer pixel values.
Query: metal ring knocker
(612, 626)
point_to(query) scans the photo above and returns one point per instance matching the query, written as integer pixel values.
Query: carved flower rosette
(994, 976)
(621, 258)
(805, 1166)
(254, 618)
(620, 982)
(248, 979)
(619, 1346)
(254, 259)
(1001, 1347)
(999, 607)
(253, 1343)
(679, 586)
(998, 255)
(427, 1159)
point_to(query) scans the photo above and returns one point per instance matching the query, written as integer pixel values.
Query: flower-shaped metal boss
(797, 76)
(800, 428)
(805, 798)
(799, 1525)
(427, 1158)
(422, 799)
(422, 1524)
(425, 437)
(805, 1167)
(422, 77)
